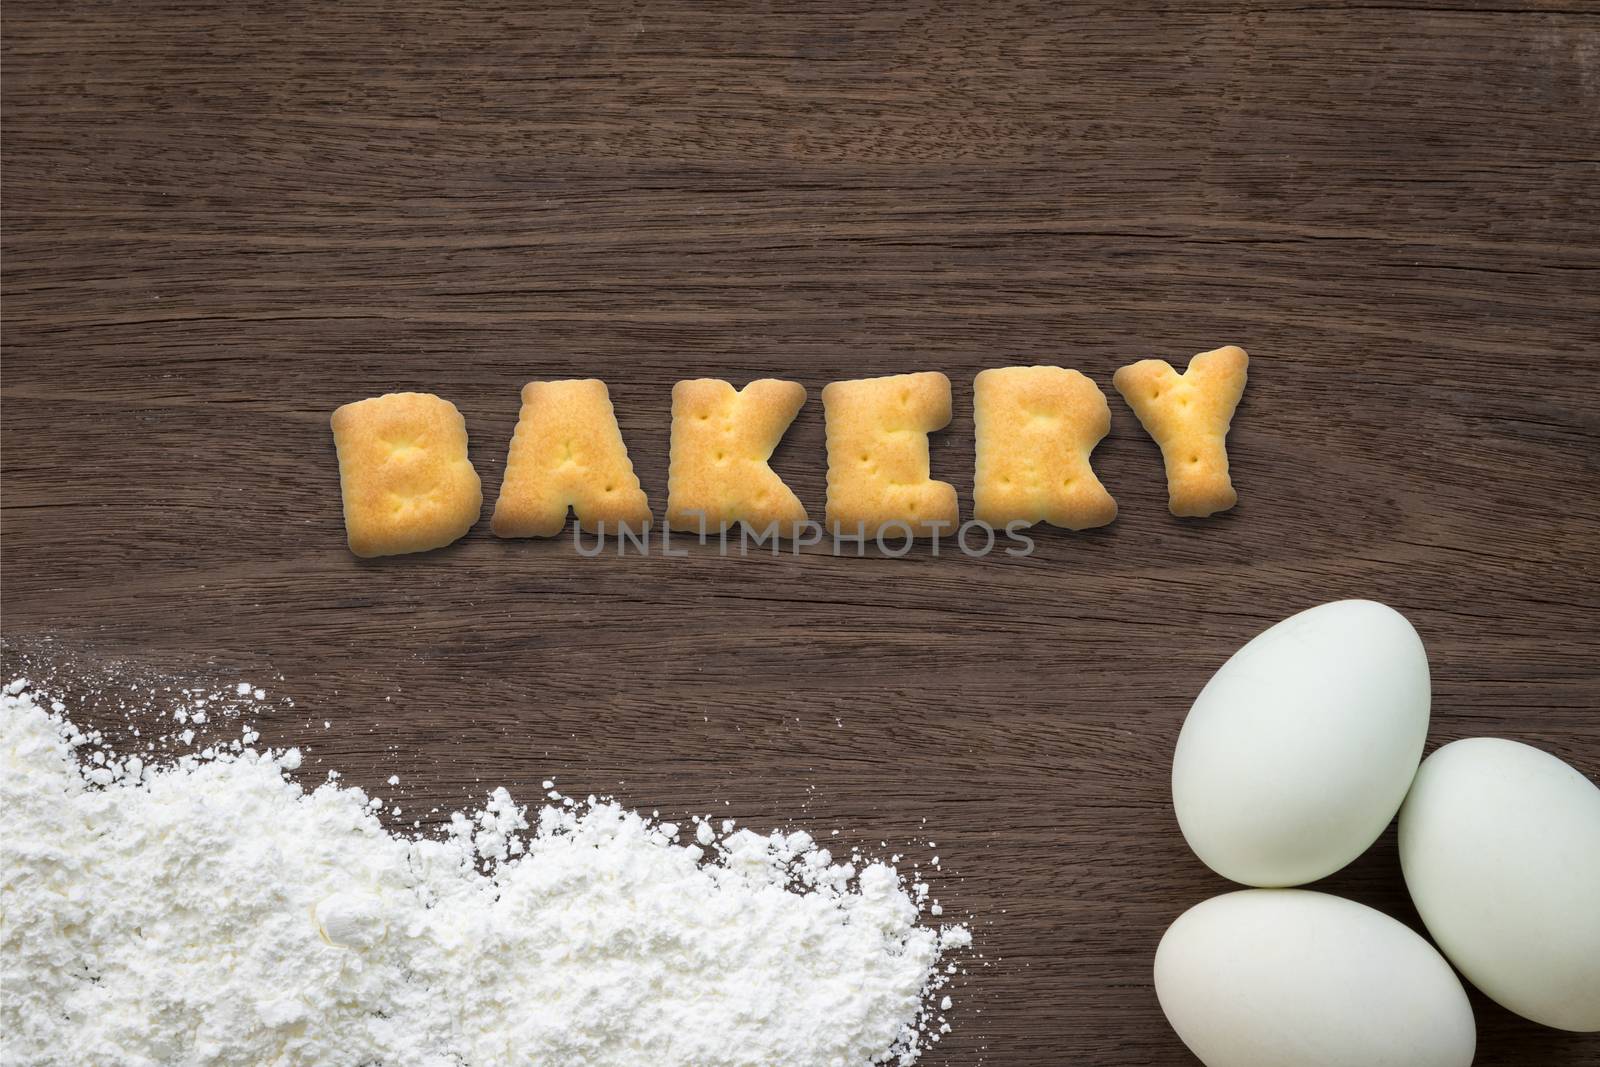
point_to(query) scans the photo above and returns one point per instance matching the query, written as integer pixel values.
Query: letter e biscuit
(878, 468)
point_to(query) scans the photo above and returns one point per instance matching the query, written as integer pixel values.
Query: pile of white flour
(210, 911)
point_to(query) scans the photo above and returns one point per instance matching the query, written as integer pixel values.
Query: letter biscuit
(567, 452)
(407, 483)
(878, 470)
(721, 442)
(1188, 416)
(1035, 429)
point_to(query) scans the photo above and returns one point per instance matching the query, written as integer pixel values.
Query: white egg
(1292, 978)
(1500, 844)
(1300, 748)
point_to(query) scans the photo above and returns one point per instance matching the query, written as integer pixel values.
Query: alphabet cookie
(567, 452)
(721, 442)
(878, 469)
(404, 474)
(1035, 429)
(1188, 415)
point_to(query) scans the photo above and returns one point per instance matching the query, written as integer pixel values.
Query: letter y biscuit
(1188, 415)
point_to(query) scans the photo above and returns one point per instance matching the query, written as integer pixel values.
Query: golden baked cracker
(1035, 429)
(721, 441)
(1188, 415)
(878, 474)
(407, 483)
(567, 452)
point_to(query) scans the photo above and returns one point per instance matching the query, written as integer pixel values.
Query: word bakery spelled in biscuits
(408, 485)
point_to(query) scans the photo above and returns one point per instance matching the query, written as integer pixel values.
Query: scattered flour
(210, 911)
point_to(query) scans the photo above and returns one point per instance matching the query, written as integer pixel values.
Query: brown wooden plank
(222, 221)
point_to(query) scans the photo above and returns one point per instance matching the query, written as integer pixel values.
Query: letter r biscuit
(1035, 428)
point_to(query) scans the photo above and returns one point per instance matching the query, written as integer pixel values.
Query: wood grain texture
(221, 221)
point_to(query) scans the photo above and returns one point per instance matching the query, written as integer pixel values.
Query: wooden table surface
(222, 221)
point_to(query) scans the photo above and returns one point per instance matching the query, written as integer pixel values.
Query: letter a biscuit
(721, 442)
(1188, 415)
(567, 452)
